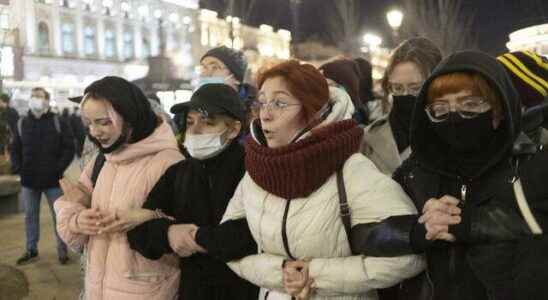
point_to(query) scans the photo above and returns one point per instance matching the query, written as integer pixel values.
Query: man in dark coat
(469, 159)
(42, 150)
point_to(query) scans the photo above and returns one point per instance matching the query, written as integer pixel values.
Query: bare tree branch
(442, 21)
(343, 23)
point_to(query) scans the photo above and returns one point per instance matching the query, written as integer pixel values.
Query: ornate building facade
(64, 45)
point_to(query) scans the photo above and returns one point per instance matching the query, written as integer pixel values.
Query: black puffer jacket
(41, 154)
(495, 255)
(198, 192)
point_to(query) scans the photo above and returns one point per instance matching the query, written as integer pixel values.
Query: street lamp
(125, 8)
(395, 18)
(372, 41)
(108, 5)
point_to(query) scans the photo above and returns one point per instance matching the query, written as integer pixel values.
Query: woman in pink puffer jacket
(138, 147)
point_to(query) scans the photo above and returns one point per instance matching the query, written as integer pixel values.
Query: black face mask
(402, 108)
(400, 119)
(466, 135)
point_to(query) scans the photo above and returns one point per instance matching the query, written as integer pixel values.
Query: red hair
(304, 81)
(459, 81)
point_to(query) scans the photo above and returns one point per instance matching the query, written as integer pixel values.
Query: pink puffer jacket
(114, 271)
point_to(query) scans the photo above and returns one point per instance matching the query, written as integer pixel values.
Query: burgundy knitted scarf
(298, 169)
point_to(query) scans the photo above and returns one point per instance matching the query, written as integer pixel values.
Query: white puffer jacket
(315, 231)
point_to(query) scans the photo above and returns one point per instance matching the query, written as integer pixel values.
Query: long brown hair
(418, 50)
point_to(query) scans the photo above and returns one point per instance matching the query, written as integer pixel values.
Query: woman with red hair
(303, 171)
(480, 184)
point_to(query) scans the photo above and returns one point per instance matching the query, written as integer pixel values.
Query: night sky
(494, 19)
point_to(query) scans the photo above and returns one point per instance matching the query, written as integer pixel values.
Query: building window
(67, 33)
(43, 38)
(89, 41)
(7, 61)
(128, 45)
(145, 45)
(4, 20)
(110, 44)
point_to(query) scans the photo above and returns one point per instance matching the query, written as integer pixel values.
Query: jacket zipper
(284, 233)
(452, 249)
(463, 190)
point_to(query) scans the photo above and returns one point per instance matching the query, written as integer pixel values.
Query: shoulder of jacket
(167, 157)
(358, 162)
(377, 124)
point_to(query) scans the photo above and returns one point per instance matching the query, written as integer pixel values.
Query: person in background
(42, 150)
(136, 147)
(529, 74)
(197, 191)
(79, 131)
(346, 74)
(367, 95)
(12, 114)
(159, 110)
(228, 66)
(386, 141)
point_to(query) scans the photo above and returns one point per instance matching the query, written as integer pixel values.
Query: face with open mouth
(96, 118)
(279, 112)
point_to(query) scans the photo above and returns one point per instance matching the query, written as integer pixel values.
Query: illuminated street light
(395, 18)
(373, 41)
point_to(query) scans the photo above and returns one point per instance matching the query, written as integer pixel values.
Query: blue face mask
(210, 79)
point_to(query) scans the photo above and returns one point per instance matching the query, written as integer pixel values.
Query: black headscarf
(128, 101)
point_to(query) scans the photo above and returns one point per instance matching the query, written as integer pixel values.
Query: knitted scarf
(298, 169)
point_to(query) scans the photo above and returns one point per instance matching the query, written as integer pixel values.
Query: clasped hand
(182, 239)
(438, 215)
(297, 281)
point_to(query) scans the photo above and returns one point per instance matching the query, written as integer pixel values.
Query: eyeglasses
(399, 89)
(467, 108)
(275, 106)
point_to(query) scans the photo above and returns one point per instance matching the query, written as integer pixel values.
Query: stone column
(79, 20)
(56, 28)
(100, 38)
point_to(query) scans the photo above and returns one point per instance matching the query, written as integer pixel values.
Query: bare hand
(75, 192)
(182, 239)
(119, 221)
(437, 215)
(296, 279)
(86, 222)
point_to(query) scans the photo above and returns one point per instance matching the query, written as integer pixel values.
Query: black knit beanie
(529, 73)
(233, 60)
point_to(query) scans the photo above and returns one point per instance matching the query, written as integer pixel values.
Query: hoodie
(425, 145)
(494, 255)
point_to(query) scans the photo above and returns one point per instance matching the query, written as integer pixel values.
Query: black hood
(127, 100)
(427, 147)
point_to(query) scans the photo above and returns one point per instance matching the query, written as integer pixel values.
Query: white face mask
(38, 106)
(204, 146)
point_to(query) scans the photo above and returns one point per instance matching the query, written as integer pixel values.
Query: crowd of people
(305, 186)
